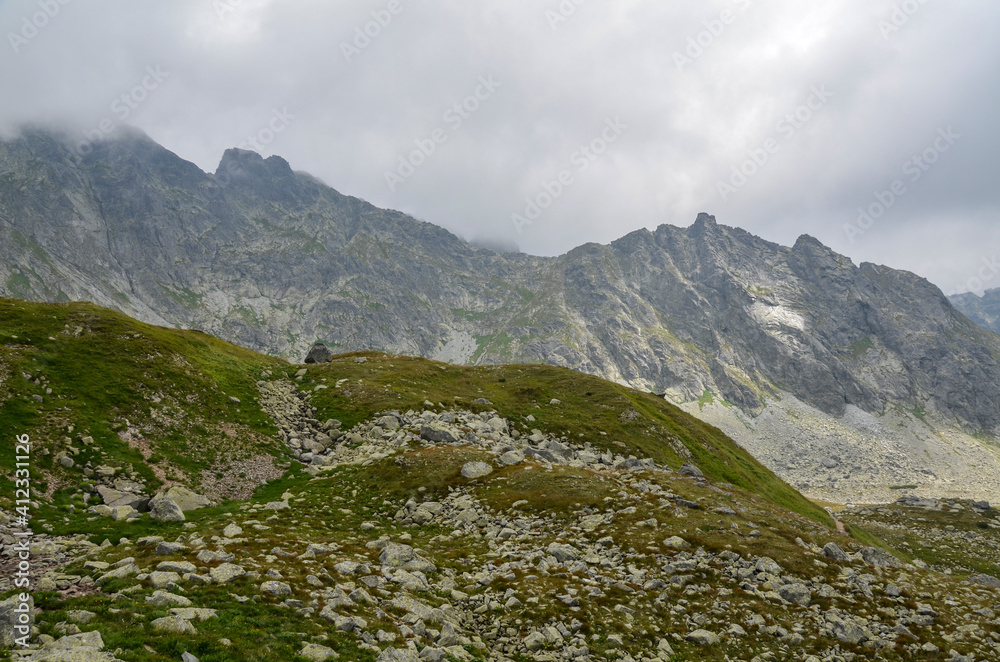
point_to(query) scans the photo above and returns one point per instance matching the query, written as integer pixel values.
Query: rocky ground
(861, 457)
(447, 534)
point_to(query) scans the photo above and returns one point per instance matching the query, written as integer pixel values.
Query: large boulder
(186, 499)
(82, 647)
(11, 611)
(880, 558)
(116, 498)
(163, 509)
(476, 469)
(319, 353)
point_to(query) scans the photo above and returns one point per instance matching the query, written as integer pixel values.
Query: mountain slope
(984, 310)
(745, 333)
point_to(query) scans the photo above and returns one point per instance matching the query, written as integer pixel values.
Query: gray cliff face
(275, 260)
(983, 310)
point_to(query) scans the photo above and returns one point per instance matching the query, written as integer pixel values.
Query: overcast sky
(643, 108)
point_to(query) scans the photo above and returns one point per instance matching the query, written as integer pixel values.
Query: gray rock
(318, 653)
(163, 509)
(880, 558)
(676, 542)
(118, 573)
(159, 579)
(193, 613)
(985, 580)
(319, 353)
(833, 551)
(395, 655)
(166, 548)
(115, 498)
(173, 625)
(121, 513)
(11, 610)
(225, 573)
(688, 469)
(165, 599)
(437, 433)
(512, 457)
(476, 469)
(276, 588)
(186, 499)
(703, 638)
(182, 567)
(563, 553)
(796, 593)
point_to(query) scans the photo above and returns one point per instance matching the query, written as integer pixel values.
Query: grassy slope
(647, 426)
(109, 374)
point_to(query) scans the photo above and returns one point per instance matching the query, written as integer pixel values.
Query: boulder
(122, 513)
(833, 551)
(317, 653)
(438, 434)
(688, 469)
(796, 593)
(165, 599)
(476, 469)
(10, 611)
(985, 580)
(186, 499)
(163, 509)
(512, 457)
(115, 498)
(276, 588)
(226, 573)
(676, 542)
(81, 647)
(703, 638)
(563, 553)
(319, 353)
(173, 625)
(879, 558)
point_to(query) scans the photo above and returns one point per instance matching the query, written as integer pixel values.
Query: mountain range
(983, 310)
(850, 381)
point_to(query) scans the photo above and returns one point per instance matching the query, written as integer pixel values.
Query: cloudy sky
(547, 124)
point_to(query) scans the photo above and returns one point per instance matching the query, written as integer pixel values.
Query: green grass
(109, 374)
(646, 425)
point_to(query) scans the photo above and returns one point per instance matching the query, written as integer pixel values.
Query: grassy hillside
(160, 400)
(609, 416)
(157, 400)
